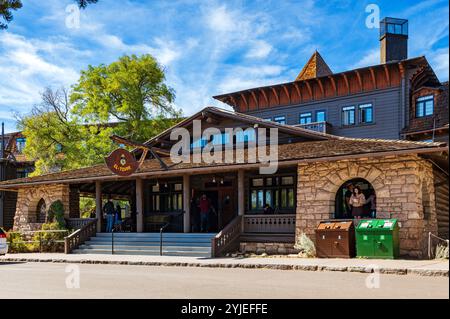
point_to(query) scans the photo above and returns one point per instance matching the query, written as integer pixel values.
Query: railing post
(40, 242)
(112, 241)
(160, 241)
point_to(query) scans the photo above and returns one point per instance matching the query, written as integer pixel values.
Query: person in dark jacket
(108, 210)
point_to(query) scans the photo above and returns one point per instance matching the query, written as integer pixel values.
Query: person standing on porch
(348, 194)
(357, 200)
(204, 206)
(109, 210)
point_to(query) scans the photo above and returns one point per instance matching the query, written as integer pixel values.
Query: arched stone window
(41, 211)
(342, 209)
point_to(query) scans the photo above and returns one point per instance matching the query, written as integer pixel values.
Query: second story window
(366, 113)
(20, 144)
(348, 115)
(424, 106)
(280, 119)
(267, 119)
(321, 116)
(305, 118)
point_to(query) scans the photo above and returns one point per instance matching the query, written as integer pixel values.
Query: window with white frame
(305, 118)
(348, 115)
(321, 116)
(280, 119)
(366, 113)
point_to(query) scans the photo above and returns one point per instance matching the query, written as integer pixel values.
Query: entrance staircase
(173, 244)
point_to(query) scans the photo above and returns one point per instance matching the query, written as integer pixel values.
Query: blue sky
(206, 47)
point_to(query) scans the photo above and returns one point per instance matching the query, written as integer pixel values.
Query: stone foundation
(403, 186)
(268, 248)
(28, 198)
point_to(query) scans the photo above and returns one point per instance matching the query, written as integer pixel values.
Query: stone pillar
(139, 206)
(241, 191)
(186, 204)
(98, 205)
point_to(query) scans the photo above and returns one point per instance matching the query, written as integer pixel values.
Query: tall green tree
(131, 91)
(71, 128)
(7, 6)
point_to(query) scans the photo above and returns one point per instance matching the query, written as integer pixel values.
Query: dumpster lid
(378, 224)
(325, 225)
(386, 224)
(343, 225)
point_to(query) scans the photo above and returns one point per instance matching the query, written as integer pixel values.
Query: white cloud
(372, 57)
(439, 60)
(259, 50)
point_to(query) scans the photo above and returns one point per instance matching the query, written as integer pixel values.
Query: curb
(354, 269)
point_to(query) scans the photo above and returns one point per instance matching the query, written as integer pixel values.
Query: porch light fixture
(214, 179)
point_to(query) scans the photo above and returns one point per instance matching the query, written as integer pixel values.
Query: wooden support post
(139, 206)
(98, 205)
(241, 204)
(186, 204)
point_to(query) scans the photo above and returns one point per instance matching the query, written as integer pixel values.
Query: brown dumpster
(335, 239)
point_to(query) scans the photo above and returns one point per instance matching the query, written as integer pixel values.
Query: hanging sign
(121, 162)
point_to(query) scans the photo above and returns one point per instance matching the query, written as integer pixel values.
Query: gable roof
(314, 68)
(288, 154)
(244, 118)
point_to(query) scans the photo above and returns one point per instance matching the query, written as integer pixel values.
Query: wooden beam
(308, 85)
(265, 97)
(244, 99)
(299, 92)
(358, 75)
(374, 79)
(286, 91)
(388, 75)
(346, 82)
(322, 90)
(139, 205)
(333, 83)
(233, 100)
(98, 205)
(252, 92)
(276, 95)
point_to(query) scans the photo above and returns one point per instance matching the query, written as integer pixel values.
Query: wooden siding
(386, 110)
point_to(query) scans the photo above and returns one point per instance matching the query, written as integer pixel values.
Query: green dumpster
(377, 238)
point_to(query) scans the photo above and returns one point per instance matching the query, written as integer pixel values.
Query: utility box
(335, 239)
(377, 238)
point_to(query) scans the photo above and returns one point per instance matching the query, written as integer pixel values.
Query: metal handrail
(161, 230)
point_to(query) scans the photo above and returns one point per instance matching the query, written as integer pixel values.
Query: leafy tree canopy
(131, 91)
(71, 128)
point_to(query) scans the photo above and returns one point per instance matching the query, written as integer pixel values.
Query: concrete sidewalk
(399, 267)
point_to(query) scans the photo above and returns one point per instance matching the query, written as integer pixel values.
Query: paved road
(47, 280)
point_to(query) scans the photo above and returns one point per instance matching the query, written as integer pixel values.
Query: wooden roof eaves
(421, 59)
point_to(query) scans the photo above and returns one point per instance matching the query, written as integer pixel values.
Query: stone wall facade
(403, 186)
(26, 217)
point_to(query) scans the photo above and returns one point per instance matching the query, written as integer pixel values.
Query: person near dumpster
(348, 193)
(204, 206)
(357, 201)
(108, 209)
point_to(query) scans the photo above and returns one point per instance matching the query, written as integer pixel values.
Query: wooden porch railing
(74, 240)
(281, 223)
(77, 223)
(228, 238)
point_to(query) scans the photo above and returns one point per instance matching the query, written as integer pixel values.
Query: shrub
(56, 214)
(48, 242)
(306, 246)
(16, 243)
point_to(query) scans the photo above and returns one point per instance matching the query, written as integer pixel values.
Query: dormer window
(424, 106)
